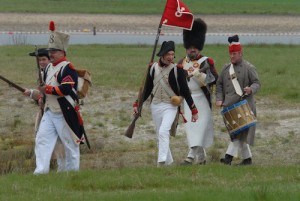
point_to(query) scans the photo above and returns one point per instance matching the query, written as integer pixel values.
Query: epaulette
(210, 61)
(71, 66)
(179, 65)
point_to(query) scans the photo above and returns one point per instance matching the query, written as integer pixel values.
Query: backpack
(84, 83)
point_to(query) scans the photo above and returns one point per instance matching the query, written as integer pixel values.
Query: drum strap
(235, 82)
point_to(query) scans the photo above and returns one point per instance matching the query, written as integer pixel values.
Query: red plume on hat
(234, 44)
(51, 26)
(57, 40)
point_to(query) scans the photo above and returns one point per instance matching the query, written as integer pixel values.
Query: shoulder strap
(176, 76)
(152, 68)
(234, 80)
(201, 60)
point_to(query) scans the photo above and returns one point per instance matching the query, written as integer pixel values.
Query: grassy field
(151, 7)
(117, 168)
(213, 183)
(122, 67)
(117, 71)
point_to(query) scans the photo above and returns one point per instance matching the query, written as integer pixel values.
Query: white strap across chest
(187, 65)
(51, 72)
(235, 82)
(160, 78)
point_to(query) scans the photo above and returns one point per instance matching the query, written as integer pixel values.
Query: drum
(238, 117)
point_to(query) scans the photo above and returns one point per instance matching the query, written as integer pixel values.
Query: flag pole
(142, 91)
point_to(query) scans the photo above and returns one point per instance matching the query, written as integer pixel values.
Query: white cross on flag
(176, 14)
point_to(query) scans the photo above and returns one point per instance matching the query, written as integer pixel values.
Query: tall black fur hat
(196, 36)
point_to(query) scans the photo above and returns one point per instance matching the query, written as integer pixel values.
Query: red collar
(60, 60)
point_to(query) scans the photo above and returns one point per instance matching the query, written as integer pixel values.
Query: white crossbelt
(235, 82)
(160, 78)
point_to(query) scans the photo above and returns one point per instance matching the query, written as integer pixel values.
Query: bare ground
(147, 23)
(107, 112)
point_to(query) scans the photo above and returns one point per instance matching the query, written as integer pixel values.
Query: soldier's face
(169, 57)
(55, 55)
(43, 61)
(192, 52)
(235, 57)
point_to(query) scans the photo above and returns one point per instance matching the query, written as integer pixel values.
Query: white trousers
(163, 115)
(197, 153)
(59, 155)
(238, 145)
(59, 152)
(52, 126)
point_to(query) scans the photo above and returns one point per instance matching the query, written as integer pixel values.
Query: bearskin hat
(196, 36)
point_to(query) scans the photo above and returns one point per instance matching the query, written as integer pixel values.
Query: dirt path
(148, 23)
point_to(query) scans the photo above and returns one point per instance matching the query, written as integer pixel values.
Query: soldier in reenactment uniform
(202, 75)
(43, 62)
(60, 119)
(166, 83)
(238, 80)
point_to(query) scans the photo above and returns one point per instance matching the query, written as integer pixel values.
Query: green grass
(123, 66)
(125, 170)
(212, 182)
(151, 7)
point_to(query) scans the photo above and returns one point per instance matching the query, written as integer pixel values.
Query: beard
(192, 55)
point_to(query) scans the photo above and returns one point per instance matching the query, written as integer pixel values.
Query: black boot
(247, 161)
(227, 159)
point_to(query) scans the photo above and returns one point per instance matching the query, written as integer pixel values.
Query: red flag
(176, 14)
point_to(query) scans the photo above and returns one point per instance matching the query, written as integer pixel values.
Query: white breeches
(163, 115)
(236, 146)
(197, 153)
(52, 126)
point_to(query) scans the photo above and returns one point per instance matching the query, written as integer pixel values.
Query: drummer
(238, 81)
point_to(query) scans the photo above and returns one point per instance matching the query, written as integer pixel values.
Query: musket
(12, 84)
(142, 91)
(41, 82)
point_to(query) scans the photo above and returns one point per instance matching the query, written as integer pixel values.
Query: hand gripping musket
(12, 84)
(141, 94)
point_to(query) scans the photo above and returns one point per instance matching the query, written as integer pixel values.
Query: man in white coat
(201, 76)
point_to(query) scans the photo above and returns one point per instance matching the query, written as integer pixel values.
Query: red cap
(235, 47)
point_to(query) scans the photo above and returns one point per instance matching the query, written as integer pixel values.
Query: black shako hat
(41, 52)
(196, 36)
(166, 47)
